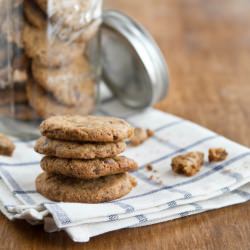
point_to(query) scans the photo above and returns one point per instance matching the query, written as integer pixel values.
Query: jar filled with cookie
(49, 59)
(54, 54)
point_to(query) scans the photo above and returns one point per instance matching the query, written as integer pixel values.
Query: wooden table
(207, 46)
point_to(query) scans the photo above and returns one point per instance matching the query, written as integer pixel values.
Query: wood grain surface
(207, 47)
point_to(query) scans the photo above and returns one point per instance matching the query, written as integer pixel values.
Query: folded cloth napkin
(159, 196)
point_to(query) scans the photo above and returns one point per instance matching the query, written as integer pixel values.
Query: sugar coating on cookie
(6, 145)
(78, 150)
(66, 189)
(88, 169)
(86, 128)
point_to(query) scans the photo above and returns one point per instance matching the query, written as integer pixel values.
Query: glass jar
(49, 60)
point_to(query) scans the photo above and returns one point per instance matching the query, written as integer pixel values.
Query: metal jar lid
(133, 66)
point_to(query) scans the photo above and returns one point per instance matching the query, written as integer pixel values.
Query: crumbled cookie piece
(6, 146)
(149, 167)
(141, 135)
(155, 179)
(150, 132)
(217, 154)
(188, 164)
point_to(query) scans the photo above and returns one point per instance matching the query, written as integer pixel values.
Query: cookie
(47, 50)
(188, 164)
(9, 95)
(140, 136)
(70, 85)
(86, 128)
(66, 189)
(74, 14)
(46, 105)
(77, 150)
(217, 154)
(88, 169)
(6, 145)
(35, 15)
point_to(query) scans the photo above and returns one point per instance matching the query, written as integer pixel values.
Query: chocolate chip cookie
(46, 105)
(47, 50)
(66, 189)
(78, 150)
(70, 85)
(6, 145)
(86, 128)
(88, 169)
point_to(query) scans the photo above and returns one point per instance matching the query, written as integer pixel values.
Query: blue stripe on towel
(181, 150)
(141, 218)
(16, 186)
(61, 215)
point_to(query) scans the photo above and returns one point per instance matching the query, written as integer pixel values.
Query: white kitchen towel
(83, 233)
(152, 196)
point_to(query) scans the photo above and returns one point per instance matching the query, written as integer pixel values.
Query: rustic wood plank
(207, 46)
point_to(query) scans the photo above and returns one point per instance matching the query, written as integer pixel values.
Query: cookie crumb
(149, 167)
(151, 177)
(6, 146)
(140, 136)
(188, 164)
(150, 132)
(217, 154)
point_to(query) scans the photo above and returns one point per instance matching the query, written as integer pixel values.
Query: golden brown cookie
(46, 105)
(217, 154)
(66, 189)
(86, 128)
(47, 50)
(70, 85)
(188, 164)
(35, 15)
(6, 145)
(78, 150)
(88, 169)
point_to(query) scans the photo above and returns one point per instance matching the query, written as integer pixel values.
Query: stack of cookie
(13, 62)
(82, 162)
(55, 37)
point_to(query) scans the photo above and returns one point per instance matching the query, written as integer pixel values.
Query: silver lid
(133, 65)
